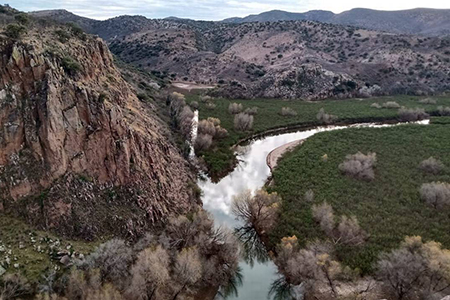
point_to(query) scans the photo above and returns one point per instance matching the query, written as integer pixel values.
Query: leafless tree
(415, 267)
(375, 105)
(436, 194)
(235, 108)
(287, 111)
(203, 142)
(150, 272)
(324, 215)
(325, 118)
(412, 114)
(113, 259)
(243, 122)
(444, 111)
(359, 165)
(349, 231)
(187, 269)
(432, 165)
(206, 127)
(13, 286)
(427, 101)
(391, 104)
(251, 111)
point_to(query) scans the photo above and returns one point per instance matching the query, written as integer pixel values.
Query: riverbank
(388, 208)
(220, 159)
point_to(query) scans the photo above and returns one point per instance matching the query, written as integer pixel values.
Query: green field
(220, 157)
(388, 208)
(33, 253)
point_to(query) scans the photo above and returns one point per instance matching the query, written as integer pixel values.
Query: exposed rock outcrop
(74, 133)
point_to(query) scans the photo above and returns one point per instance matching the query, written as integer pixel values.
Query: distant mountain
(62, 15)
(421, 21)
(279, 15)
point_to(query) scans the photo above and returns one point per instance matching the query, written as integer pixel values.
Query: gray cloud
(209, 9)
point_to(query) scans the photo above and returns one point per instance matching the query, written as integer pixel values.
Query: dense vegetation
(269, 115)
(388, 207)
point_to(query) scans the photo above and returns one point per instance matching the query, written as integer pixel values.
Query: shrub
(325, 118)
(22, 18)
(444, 111)
(412, 114)
(243, 122)
(206, 127)
(309, 196)
(202, 142)
(15, 31)
(415, 268)
(436, 194)
(359, 166)
(187, 269)
(70, 66)
(427, 101)
(194, 105)
(235, 108)
(432, 165)
(287, 111)
(391, 104)
(251, 111)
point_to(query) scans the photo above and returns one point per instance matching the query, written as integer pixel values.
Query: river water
(251, 173)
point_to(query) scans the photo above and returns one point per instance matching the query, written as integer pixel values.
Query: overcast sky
(211, 9)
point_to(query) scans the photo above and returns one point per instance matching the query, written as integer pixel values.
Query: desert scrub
(388, 208)
(268, 117)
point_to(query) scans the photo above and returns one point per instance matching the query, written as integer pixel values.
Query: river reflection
(251, 173)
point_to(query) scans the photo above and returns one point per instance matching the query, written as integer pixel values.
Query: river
(252, 173)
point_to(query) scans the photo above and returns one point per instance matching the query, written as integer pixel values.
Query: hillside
(284, 59)
(422, 21)
(80, 154)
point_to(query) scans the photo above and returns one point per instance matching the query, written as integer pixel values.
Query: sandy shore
(276, 153)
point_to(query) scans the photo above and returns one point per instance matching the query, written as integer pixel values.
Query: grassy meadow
(220, 157)
(388, 208)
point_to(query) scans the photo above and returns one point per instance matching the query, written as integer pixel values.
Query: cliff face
(74, 134)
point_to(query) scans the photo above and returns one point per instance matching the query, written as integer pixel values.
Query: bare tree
(432, 165)
(375, 105)
(251, 111)
(349, 231)
(391, 104)
(309, 196)
(113, 259)
(206, 127)
(259, 210)
(325, 118)
(412, 114)
(427, 101)
(203, 142)
(235, 108)
(359, 165)
(436, 194)
(287, 111)
(243, 122)
(187, 270)
(324, 215)
(150, 272)
(415, 267)
(444, 111)
(13, 286)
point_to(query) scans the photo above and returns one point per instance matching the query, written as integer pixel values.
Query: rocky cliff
(79, 153)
